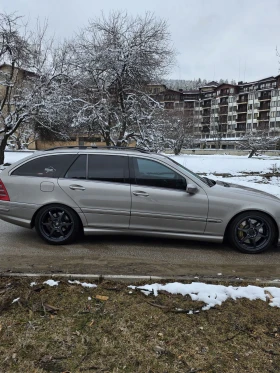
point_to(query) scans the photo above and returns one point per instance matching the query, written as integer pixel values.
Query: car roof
(94, 149)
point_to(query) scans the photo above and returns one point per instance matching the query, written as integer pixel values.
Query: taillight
(4, 196)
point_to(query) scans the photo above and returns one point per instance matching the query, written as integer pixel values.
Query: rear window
(52, 166)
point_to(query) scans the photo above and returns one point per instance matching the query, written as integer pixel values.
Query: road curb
(139, 278)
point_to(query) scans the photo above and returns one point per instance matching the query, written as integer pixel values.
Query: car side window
(110, 168)
(78, 168)
(52, 166)
(155, 174)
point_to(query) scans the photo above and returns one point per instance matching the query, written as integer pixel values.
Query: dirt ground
(111, 328)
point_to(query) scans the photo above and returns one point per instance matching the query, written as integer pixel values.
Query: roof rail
(82, 147)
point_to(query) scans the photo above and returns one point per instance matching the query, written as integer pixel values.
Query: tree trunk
(253, 151)
(3, 145)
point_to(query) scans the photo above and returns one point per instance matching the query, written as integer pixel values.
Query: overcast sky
(215, 39)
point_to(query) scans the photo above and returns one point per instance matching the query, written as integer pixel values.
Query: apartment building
(226, 112)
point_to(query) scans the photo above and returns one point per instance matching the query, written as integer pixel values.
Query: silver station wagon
(63, 192)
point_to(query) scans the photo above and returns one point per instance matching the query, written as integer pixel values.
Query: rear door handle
(140, 194)
(77, 187)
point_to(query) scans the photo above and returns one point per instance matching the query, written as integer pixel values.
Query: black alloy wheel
(57, 224)
(252, 232)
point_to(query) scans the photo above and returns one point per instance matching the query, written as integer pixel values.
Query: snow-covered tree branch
(112, 61)
(26, 79)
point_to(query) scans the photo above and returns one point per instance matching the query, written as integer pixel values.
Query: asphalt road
(21, 250)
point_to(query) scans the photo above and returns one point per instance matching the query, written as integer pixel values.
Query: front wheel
(57, 224)
(252, 232)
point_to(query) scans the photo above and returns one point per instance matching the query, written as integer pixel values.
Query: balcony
(241, 127)
(223, 110)
(241, 118)
(264, 106)
(224, 103)
(205, 129)
(206, 120)
(206, 104)
(265, 97)
(263, 118)
(223, 128)
(223, 119)
(242, 108)
(263, 125)
(242, 99)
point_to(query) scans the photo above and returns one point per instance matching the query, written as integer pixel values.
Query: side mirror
(191, 189)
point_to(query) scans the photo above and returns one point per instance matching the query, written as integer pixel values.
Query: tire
(252, 232)
(57, 224)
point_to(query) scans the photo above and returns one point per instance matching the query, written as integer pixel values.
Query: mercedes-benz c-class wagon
(63, 192)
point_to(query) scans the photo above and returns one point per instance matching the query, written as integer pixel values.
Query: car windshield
(205, 180)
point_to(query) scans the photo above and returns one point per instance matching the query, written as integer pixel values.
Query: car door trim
(105, 211)
(167, 216)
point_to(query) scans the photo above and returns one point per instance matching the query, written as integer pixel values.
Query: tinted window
(155, 174)
(48, 166)
(78, 168)
(111, 168)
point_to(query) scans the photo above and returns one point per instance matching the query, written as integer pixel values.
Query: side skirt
(94, 231)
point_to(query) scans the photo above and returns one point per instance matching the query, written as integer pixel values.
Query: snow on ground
(51, 282)
(11, 157)
(232, 164)
(237, 166)
(213, 295)
(83, 284)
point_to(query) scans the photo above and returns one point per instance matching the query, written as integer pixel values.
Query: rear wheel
(57, 224)
(252, 232)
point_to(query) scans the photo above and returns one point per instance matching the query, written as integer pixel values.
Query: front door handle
(77, 187)
(140, 194)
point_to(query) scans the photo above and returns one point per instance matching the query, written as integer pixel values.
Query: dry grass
(57, 329)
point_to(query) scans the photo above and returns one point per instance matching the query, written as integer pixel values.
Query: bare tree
(112, 61)
(167, 129)
(29, 80)
(256, 142)
(23, 137)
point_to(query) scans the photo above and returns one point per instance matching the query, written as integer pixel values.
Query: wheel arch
(248, 211)
(58, 204)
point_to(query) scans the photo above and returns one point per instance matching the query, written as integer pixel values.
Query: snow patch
(51, 282)
(84, 284)
(215, 295)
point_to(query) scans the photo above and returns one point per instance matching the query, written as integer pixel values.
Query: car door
(160, 201)
(99, 184)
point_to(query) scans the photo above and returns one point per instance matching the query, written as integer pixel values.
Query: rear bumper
(17, 213)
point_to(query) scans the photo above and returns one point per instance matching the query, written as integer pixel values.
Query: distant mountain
(189, 85)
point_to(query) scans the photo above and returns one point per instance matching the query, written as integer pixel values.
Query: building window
(256, 115)
(249, 116)
(231, 90)
(272, 114)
